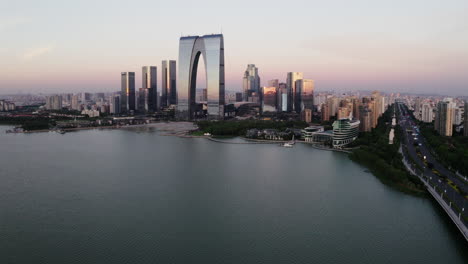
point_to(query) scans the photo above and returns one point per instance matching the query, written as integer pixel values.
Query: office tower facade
(169, 83)
(251, 82)
(465, 123)
(149, 84)
(127, 92)
(444, 117)
(211, 48)
(269, 102)
(293, 94)
(305, 94)
(427, 113)
(143, 100)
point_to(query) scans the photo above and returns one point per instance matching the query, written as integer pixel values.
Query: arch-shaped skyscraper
(211, 48)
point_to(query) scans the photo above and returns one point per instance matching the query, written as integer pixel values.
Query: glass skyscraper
(294, 103)
(149, 83)
(169, 86)
(305, 91)
(127, 92)
(251, 81)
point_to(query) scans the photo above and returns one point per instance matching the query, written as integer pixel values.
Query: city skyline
(394, 47)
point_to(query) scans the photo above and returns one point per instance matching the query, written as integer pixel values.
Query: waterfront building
(211, 48)
(269, 102)
(169, 83)
(465, 126)
(444, 117)
(305, 94)
(127, 92)
(54, 102)
(317, 134)
(345, 131)
(427, 113)
(293, 94)
(251, 81)
(149, 83)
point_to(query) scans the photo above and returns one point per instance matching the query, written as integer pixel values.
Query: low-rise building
(345, 131)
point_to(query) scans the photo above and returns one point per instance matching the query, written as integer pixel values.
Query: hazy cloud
(33, 53)
(12, 21)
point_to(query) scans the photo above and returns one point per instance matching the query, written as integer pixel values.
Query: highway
(438, 176)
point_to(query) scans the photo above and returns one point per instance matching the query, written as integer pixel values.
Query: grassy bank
(383, 159)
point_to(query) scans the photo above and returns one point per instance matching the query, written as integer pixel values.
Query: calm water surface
(133, 196)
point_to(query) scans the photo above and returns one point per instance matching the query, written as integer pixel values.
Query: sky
(415, 46)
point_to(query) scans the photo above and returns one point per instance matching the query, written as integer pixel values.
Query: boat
(287, 145)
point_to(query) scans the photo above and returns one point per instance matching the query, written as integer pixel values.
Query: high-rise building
(282, 97)
(305, 94)
(54, 102)
(143, 100)
(333, 104)
(115, 104)
(75, 103)
(293, 94)
(465, 126)
(343, 112)
(427, 113)
(457, 115)
(444, 115)
(127, 92)
(251, 81)
(269, 102)
(325, 111)
(211, 48)
(306, 115)
(365, 118)
(356, 111)
(169, 87)
(149, 84)
(377, 107)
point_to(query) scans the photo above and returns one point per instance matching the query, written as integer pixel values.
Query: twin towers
(211, 49)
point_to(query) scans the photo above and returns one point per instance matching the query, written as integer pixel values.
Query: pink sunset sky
(413, 46)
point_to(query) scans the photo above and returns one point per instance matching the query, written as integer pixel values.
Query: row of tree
(383, 159)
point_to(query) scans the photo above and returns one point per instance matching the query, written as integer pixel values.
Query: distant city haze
(54, 46)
